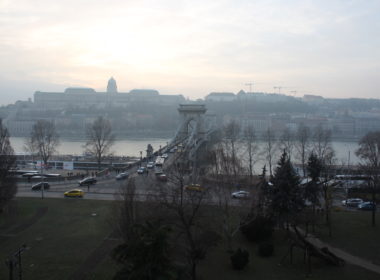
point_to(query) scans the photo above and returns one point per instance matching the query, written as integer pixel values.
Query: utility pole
(42, 179)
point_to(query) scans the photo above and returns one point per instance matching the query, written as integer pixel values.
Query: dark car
(38, 186)
(162, 177)
(142, 170)
(367, 206)
(87, 181)
(122, 176)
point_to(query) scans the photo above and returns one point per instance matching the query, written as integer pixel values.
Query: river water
(345, 151)
(120, 148)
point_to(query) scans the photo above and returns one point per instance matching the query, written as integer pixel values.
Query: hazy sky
(329, 48)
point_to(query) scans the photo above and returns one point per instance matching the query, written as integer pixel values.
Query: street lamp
(140, 158)
(42, 180)
(15, 260)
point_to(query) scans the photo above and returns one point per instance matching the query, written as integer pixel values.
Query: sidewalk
(348, 258)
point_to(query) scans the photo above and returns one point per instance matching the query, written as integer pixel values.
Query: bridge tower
(192, 126)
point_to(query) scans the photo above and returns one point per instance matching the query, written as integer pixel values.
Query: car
(38, 177)
(158, 171)
(74, 193)
(352, 202)
(165, 156)
(162, 177)
(150, 164)
(53, 175)
(122, 176)
(30, 174)
(87, 181)
(240, 194)
(194, 187)
(367, 206)
(38, 186)
(141, 170)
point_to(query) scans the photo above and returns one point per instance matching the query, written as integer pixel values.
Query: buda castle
(87, 97)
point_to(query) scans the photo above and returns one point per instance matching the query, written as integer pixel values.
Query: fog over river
(120, 148)
(343, 150)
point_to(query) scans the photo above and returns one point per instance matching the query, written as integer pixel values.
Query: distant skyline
(328, 48)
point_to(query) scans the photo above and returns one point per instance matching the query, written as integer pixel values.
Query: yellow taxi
(194, 187)
(74, 193)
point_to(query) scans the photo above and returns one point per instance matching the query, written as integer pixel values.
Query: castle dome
(111, 86)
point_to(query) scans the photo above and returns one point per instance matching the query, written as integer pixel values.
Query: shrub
(259, 229)
(266, 249)
(240, 259)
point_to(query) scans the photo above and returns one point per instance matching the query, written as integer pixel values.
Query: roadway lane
(54, 194)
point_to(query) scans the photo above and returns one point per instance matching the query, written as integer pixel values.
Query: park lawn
(352, 231)
(105, 270)
(59, 241)
(217, 265)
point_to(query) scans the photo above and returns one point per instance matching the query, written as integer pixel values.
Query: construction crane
(279, 89)
(250, 86)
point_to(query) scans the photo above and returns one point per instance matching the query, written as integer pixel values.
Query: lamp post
(140, 158)
(15, 260)
(42, 180)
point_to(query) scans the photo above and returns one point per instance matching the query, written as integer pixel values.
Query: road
(106, 188)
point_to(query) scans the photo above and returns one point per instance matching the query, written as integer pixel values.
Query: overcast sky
(329, 48)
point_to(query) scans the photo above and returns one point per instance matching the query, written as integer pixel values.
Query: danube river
(345, 151)
(120, 148)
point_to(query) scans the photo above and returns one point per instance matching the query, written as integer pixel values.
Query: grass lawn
(59, 241)
(352, 232)
(217, 265)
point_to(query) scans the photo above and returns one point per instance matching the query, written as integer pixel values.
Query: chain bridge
(194, 129)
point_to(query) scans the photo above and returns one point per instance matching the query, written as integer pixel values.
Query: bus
(159, 161)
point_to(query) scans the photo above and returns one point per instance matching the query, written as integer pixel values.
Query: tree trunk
(374, 208)
(193, 271)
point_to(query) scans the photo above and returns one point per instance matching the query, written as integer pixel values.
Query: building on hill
(89, 98)
(221, 96)
(313, 99)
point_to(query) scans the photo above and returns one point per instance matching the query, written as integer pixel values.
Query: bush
(261, 228)
(266, 249)
(240, 259)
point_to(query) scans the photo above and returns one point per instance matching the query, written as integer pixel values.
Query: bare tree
(303, 145)
(287, 140)
(8, 186)
(252, 148)
(185, 210)
(323, 151)
(127, 214)
(43, 140)
(99, 139)
(369, 152)
(270, 148)
(231, 137)
(222, 185)
(321, 142)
